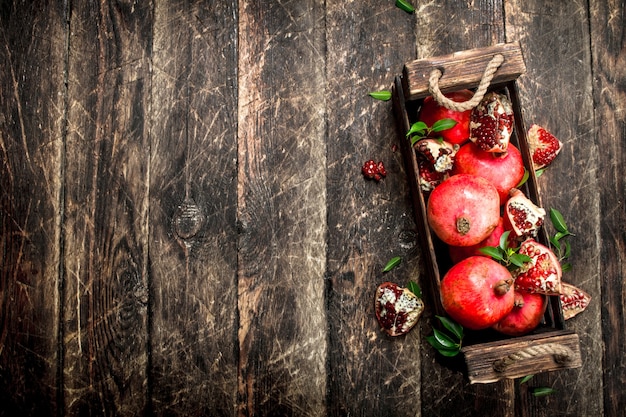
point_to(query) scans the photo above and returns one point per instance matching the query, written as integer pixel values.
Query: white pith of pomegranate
(397, 308)
(543, 145)
(542, 274)
(504, 170)
(440, 154)
(477, 292)
(432, 111)
(523, 217)
(573, 300)
(527, 313)
(458, 253)
(491, 123)
(463, 210)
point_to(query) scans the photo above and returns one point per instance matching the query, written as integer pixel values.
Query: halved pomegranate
(542, 274)
(397, 308)
(573, 300)
(477, 292)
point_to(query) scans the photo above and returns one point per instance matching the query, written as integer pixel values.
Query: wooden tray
(488, 356)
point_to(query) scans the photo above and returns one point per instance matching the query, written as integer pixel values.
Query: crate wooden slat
(464, 70)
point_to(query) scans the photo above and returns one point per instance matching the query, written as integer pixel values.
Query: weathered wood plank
(282, 208)
(445, 390)
(193, 200)
(609, 96)
(32, 107)
(556, 93)
(370, 374)
(106, 188)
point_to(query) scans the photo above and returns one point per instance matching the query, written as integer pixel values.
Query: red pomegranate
(523, 217)
(458, 253)
(463, 210)
(477, 292)
(397, 308)
(573, 300)
(542, 274)
(528, 310)
(504, 170)
(433, 111)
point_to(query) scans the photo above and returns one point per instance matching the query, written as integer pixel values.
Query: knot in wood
(188, 219)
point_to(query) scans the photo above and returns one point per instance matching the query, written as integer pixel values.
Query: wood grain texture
(609, 97)
(32, 107)
(556, 93)
(281, 208)
(368, 222)
(106, 189)
(193, 198)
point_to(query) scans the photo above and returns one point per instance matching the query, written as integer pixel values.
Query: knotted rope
(562, 354)
(433, 87)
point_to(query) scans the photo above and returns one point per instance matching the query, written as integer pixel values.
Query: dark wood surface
(186, 230)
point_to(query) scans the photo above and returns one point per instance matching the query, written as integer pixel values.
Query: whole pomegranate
(528, 310)
(504, 170)
(463, 210)
(458, 253)
(477, 292)
(433, 111)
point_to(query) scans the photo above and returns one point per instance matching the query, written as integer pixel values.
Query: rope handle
(562, 354)
(433, 87)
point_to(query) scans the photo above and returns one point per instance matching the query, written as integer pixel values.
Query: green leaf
(493, 252)
(504, 240)
(566, 267)
(393, 262)
(519, 259)
(558, 221)
(524, 178)
(417, 128)
(415, 289)
(443, 124)
(526, 379)
(555, 242)
(445, 351)
(449, 352)
(455, 328)
(405, 5)
(384, 95)
(568, 250)
(445, 340)
(542, 391)
(539, 172)
(560, 235)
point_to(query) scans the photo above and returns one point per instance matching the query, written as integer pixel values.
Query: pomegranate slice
(544, 146)
(438, 152)
(428, 177)
(522, 216)
(573, 300)
(542, 274)
(491, 123)
(397, 308)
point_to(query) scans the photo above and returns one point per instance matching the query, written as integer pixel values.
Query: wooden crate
(488, 356)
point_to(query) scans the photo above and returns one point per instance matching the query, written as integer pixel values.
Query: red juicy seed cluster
(486, 135)
(374, 170)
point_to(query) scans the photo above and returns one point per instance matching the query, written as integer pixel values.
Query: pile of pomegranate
(470, 175)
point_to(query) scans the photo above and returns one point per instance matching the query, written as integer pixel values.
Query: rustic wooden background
(186, 231)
